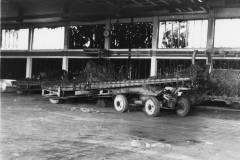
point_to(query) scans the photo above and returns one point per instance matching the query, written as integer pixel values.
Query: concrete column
(29, 67)
(65, 63)
(154, 46)
(66, 44)
(66, 36)
(107, 41)
(30, 38)
(211, 30)
(153, 66)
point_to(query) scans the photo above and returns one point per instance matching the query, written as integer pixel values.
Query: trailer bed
(75, 86)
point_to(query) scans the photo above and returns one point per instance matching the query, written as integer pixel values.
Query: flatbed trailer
(153, 94)
(27, 86)
(222, 85)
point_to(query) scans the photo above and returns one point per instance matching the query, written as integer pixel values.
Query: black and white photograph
(120, 80)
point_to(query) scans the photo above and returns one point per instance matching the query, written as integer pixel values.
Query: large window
(13, 68)
(48, 38)
(125, 35)
(86, 36)
(14, 39)
(226, 64)
(183, 34)
(227, 33)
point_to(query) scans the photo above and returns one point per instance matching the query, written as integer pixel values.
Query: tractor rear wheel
(192, 99)
(183, 107)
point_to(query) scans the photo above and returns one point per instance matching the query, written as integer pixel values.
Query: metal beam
(190, 9)
(164, 2)
(137, 2)
(111, 13)
(203, 8)
(179, 10)
(109, 2)
(178, 1)
(151, 2)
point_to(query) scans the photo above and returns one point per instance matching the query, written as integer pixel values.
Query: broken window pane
(48, 38)
(227, 33)
(86, 36)
(183, 34)
(14, 39)
(125, 36)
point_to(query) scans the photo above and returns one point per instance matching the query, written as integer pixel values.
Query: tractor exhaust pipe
(194, 56)
(209, 61)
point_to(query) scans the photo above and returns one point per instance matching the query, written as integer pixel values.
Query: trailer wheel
(29, 92)
(152, 107)
(192, 99)
(55, 101)
(183, 107)
(235, 105)
(120, 103)
(21, 92)
(101, 103)
(68, 101)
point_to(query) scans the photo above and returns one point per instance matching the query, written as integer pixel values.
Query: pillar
(29, 67)
(154, 46)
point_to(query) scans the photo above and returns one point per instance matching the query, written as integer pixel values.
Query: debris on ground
(140, 144)
(85, 110)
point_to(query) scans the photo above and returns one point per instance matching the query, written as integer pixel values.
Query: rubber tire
(55, 101)
(154, 104)
(68, 101)
(101, 103)
(120, 103)
(235, 105)
(21, 92)
(185, 104)
(29, 92)
(192, 99)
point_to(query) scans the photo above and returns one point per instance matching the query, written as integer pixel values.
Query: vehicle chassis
(168, 93)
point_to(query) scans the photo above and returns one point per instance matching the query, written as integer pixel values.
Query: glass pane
(225, 32)
(183, 35)
(197, 34)
(168, 34)
(162, 43)
(86, 36)
(141, 35)
(15, 39)
(204, 31)
(48, 38)
(190, 34)
(176, 35)
(120, 35)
